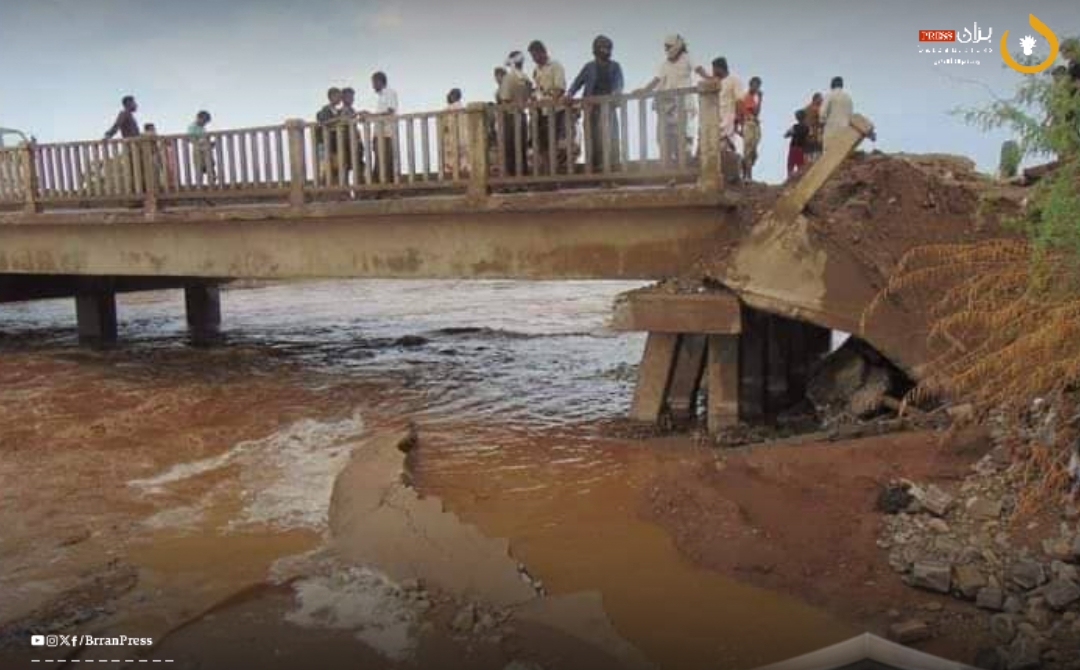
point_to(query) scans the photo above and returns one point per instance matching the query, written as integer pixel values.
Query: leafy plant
(1005, 314)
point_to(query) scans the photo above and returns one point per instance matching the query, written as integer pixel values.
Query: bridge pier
(202, 307)
(95, 313)
(752, 365)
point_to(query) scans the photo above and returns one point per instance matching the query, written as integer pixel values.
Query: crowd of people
(542, 99)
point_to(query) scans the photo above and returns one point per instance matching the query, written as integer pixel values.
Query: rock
(910, 631)
(1013, 605)
(933, 606)
(948, 546)
(1024, 654)
(867, 400)
(1003, 628)
(1038, 614)
(898, 562)
(895, 498)
(1076, 549)
(938, 526)
(990, 598)
(932, 576)
(1070, 617)
(1058, 549)
(838, 377)
(412, 585)
(968, 580)
(1061, 593)
(1027, 574)
(893, 614)
(1069, 573)
(984, 508)
(464, 620)
(935, 501)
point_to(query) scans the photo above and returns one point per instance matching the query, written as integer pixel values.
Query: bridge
(594, 189)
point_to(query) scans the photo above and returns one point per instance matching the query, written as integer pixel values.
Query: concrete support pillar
(808, 344)
(202, 305)
(476, 123)
(28, 166)
(297, 162)
(686, 378)
(96, 316)
(709, 136)
(722, 381)
(654, 377)
(753, 353)
(779, 337)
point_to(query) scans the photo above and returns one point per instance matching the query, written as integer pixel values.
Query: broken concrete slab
(932, 576)
(968, 580)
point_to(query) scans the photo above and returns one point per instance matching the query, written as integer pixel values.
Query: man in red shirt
(750, 114)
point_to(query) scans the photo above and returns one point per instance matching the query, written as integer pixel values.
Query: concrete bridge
(545, 191)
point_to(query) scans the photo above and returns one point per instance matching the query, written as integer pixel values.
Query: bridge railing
(634, 137)
(656, 137)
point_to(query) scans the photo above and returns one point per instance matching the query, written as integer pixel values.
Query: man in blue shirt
(600, 76)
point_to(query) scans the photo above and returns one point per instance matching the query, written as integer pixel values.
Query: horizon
(256, 63)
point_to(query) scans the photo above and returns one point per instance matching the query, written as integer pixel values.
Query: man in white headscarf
(515, 89)
(675, 72)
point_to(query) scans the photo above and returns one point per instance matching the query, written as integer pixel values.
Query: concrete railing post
(27, 156)
(150, 170)
(297, 163)
(710, 147)
(476, 123)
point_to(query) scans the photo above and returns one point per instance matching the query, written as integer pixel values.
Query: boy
(204, 148)
(799, 133)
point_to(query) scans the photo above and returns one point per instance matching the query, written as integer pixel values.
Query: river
(199, 468)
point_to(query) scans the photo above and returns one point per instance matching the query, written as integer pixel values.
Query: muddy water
(202, 467)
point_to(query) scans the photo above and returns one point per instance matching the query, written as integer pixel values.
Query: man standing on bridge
(125, 122)
(836, 112)
(514, 92)
(600, 76)
(385, 130)
(550, 80)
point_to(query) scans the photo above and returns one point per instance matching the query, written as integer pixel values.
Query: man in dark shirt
(325, 147)
(799, 134)
(125, 123)
(600, 76)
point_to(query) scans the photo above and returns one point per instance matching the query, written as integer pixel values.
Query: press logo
(1028, 44)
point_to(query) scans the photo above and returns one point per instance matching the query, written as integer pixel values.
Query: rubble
(908, 632)
(853, 382)
(932, 576)
(1022, 579)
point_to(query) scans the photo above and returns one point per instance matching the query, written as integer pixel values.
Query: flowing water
(203, 466)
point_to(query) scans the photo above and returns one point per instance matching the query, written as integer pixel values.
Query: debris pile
(1024, 576)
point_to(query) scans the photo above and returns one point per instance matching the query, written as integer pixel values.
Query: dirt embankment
(802, 520)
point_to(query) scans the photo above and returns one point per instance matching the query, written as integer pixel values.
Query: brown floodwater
(198, 469)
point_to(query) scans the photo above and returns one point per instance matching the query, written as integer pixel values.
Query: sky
(66, 63)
